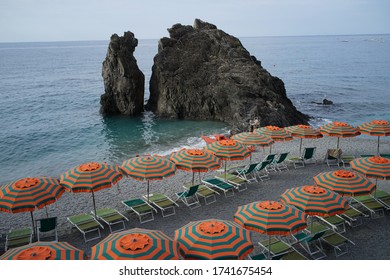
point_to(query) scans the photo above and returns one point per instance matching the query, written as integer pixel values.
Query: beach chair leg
(120, 223)
(170, 211)
(146, 217)
(89, 232)
(209, 199)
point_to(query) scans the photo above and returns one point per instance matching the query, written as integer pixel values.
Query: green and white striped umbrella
(339, 130)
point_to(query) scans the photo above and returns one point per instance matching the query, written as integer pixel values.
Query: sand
(371, 238)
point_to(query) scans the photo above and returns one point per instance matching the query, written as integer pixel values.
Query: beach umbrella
(228, 150)
(213, 240)
(195, 160)
(28, 194)
(136, 244)
(147, 168)
(270, 218)
(372, 167)
(278, 134)
(45, 251)
(344, 182)
(339, 130)
(253, 139)
(314, 200)
(90, 178)
(376, 128)
(303, 132)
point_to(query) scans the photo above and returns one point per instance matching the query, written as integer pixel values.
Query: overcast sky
(67, 20)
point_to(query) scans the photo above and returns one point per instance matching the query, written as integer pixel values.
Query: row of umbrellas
(219, 239)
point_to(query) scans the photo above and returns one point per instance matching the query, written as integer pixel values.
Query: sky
(79, 20)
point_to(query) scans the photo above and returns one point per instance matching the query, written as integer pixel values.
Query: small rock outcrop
(124, 83)
(201, 72)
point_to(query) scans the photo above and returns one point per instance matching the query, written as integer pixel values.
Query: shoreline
(75, 203)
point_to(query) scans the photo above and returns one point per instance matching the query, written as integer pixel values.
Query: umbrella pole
(148, 191)
(33, 225)
(200, 180)
(94, 205)
(47, 214)
(338, 142)
(300, 147)
(377, 150)
(225, 171)
(269, 247)
(193, 177)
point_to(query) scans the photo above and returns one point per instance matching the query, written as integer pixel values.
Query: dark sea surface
(50, 94)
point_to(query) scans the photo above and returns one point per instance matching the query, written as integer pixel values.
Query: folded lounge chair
(205, 192)
(333, 157)
(306, 158)
(86, 224)
(220, 185)
(112, 217)
(162, 202)
(45, 227)
(141, 208)
(189, 197)
(18, 237)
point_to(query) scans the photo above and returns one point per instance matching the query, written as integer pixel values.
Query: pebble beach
(370, 238)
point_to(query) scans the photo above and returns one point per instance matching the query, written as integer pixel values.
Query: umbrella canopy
(45, 251)
(314, 200)
(195, 160)
(270, 217)
(345, 183)
(376, 128)
(148, 168)
(252, 138)
(303, 132)
(339, 130)
(276, 133)
(28, 194)
(213, 240)
(90, 177)
(136, 244)
(228, 150)
(372, 167)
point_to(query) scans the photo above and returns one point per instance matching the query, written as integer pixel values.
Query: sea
(50, 98)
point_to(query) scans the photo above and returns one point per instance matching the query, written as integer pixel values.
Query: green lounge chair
(311, 243)
(369, 204)
(346, 159)
(112, 217)
(86, 224)
(189, 197)
(18, 237)
(336, 222)
(162, 202)
(141, 208)
(294, 255)
(271, 166)
(274, 247)
(338, 242)
(383, 197)
(353, 217)
(261, 170)
(220, 185)
(205, 192)
(280, 162)
(47, 226)
(306, 158)
(247, 174)
(237, 181)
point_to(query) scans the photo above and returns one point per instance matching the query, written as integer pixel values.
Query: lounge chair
(280, 162)
(261, 170)
(239, 182)
(141, 208)
(383, 197)
(86, 224)
(338, 242)
(248, 174)
(353, 217)
(336, 222)
(205, 192)
(306, 158)
(294, 255)
(47, 226)
(271, 166)
(189, 197)
(112, 217)
(275, 247)
(162, 202)
(333, 157)
(311, 243)
(18, 237)
(346, 159)
(367, 203)
(220, 185)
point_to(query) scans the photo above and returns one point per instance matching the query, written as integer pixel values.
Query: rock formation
(124, 83)
(201, 72)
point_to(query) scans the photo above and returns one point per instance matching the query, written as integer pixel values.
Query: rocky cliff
(124, 83)
(201, 72)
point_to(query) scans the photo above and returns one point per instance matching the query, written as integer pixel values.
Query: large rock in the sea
(124, 83)
(201, 72)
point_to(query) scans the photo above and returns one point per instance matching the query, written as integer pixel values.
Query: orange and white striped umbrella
(253, 139)
(339, 130)
(345, 182)
(213, 239)
(314, 200)
(278, 134)
(376, 128)
(372, 167)
(90, 177)
(136, 244)
(45, 251)
(195, 160)
(303, 132)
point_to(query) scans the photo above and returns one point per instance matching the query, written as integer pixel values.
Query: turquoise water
(50, 93)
